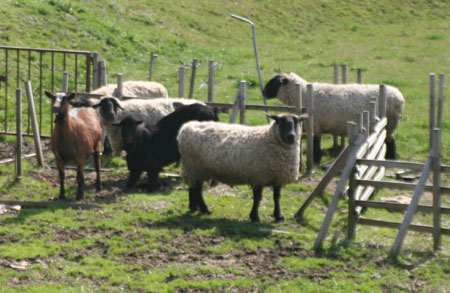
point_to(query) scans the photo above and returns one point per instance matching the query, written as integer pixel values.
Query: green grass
(148, 242)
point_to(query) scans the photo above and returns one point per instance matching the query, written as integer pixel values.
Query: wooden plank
(34, 124)
(351, 159)
(418, 191)
(398, 185)
(391, 164)
(310, 127)
(388, 224)
(436, 155)
(332, 172)
(48, 204)
(398, 206)
(4, 161)
(369, 174)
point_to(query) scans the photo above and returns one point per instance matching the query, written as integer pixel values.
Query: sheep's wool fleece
(335, 105)
(150, 111)
(138, 89)
(237, 154)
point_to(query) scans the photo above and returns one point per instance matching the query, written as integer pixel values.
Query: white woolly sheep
(150, 111)
(236, 154)
(137, 89)
(335, 105)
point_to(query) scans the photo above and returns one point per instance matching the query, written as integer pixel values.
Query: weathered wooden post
(344, 73)
(19, 133)
(359, 75)
(153, 57)
(352, 130)
(336, 73)
(65, 82)
(242, 101)
(192, 83)
(366, 123)
(432, 118)
(298, 111)
(34, 124)
(372, 116)
(103, 79)
(119, 86)
(310, 124)
(382, 101)
(95, 74)
(181, 82)
(436, 189)
(211, 80)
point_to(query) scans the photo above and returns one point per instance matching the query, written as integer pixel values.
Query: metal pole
(19, 133)
(211, 81)
(191, 85)
(256, 54)
(37, 139)
(65, 82)
(152, 60)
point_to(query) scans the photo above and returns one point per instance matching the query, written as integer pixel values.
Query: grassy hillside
(135, 241)
(394, 42)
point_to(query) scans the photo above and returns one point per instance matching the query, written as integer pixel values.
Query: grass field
(148, 242)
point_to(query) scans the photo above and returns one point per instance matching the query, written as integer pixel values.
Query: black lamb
(151, 147)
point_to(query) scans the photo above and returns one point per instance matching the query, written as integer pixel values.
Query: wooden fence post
(192, 83)
(353, 130)
(432, 117)
(95, 74)
(336, 73)
(372, 116)
(298, 111)
(242, 101)
(153, 57)
(103, 78)
(19, 133)
(382, 101)
(366, 123)
(344, 73)
(65, 82)
(181, 82)
(310, 127)
(436, 189)
(359, 75)
(119, 86)
(34, 124)
(211, 81)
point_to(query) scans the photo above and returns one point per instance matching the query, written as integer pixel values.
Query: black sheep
(151, 147)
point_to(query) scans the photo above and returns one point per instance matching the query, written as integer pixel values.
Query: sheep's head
(270, 91)
(108, 107)
(128, 127)
(60, 103)
(199, 111)
(288, 126)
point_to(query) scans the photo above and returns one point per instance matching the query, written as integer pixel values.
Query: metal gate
(44, 68)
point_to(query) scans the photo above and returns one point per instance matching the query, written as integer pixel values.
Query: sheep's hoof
(62, 197)
(98, 187)
(205, 211)
(79, 197)
(193, 208)
(255, 220)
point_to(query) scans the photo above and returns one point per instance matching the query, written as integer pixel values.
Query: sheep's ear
(302, 117)
(177, 105)
(276, 118)
(96, 104)
(117, 104)
(283, 79)
(49, 94)
(70, 96)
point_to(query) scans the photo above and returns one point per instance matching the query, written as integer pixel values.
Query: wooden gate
(44, 68)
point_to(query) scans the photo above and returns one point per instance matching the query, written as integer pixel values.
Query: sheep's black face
(270, 91)
(128, 127)
(108, 108)
(288, 126)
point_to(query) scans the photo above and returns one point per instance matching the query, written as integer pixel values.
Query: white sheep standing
(135, 89)
(335, 105)
(236, 154)
(150, 111)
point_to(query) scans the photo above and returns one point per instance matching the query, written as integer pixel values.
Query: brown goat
(76, 135)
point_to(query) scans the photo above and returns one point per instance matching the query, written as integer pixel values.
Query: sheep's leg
(62, 177)
(153, 183)
(80, 180)
(98, 183)
(276, 200)
(198, 198)
(390, 149)
(193, 206)
(317, 152)
(257, 195)
(133, 178)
